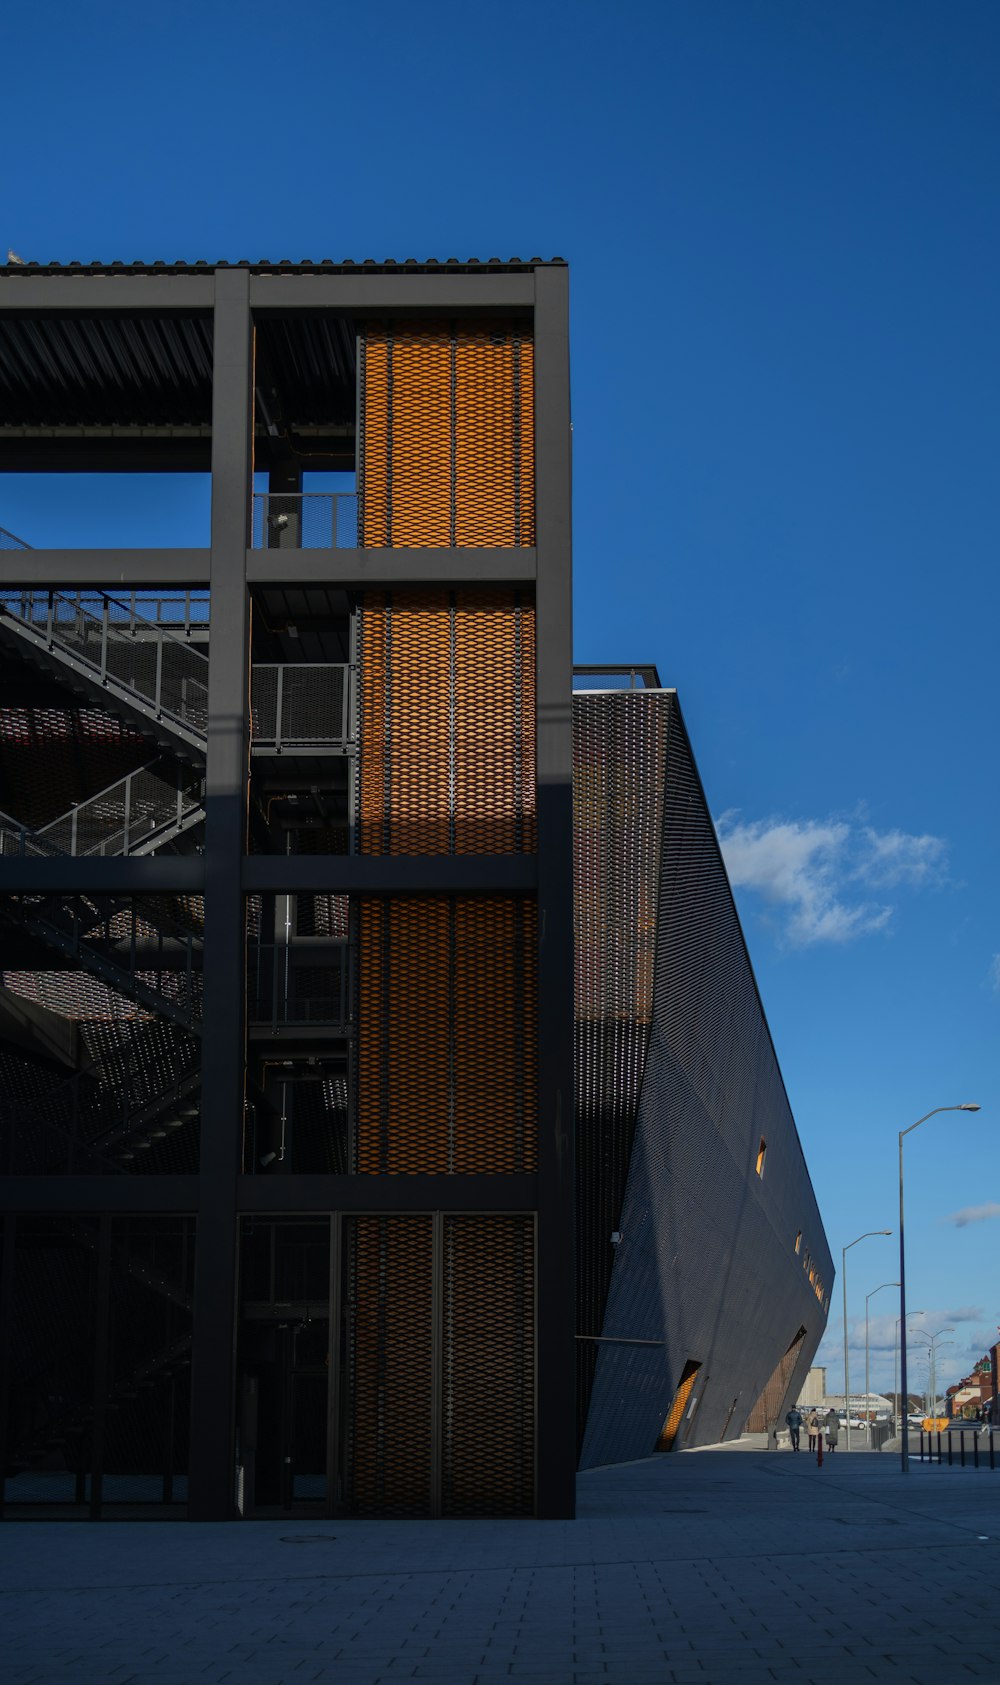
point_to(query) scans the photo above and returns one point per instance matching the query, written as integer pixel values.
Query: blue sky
(781, 217)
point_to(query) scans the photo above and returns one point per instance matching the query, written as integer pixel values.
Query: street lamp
(843, 1271)
(897, 1402)
(932, 1340)
(904, 1444)
(868, 1425)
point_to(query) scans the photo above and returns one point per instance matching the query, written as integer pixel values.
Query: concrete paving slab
(733, 1567)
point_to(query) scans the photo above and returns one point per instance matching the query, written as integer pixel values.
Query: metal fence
(120, 647)
(312, 520)
(140, 812)
(283, 990)
(301, 706)
(967, 1446)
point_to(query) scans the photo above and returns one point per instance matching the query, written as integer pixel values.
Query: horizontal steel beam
(280, 1193)
(389, 567)
(161, 295)
(176, 1194)
(273, 1193)
(107, 568)
(360, 293)
(399, 874)
(142, 875)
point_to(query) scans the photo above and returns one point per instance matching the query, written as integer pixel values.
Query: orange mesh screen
(446, 1038)
(390, 1364)
(447, 732)
(487, 1461)
(675, 1414)
(447, 452)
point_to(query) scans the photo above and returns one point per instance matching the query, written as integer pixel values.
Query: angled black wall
(675, 1095)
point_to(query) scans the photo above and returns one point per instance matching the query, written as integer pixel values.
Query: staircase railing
(137, 814)
(120, 649)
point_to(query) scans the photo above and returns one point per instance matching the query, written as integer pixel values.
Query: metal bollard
(961, 1446)
(939, 1447)
(975, 1449)
(992, 1463)
(922, 1444)
(949, 1451)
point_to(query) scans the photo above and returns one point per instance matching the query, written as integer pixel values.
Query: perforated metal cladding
(447, 445)
(440, 1365)
(768, 1406)
(447, 728)
(489, 1366)
(446, 1037)
(707, 1261)
(618, 770)
(389, 1365)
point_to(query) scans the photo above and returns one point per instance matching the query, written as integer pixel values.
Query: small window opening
(761, 1155)
(798, 1242)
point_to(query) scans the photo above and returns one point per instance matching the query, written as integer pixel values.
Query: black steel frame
(235, 296)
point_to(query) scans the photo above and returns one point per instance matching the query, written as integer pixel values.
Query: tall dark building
(286, 897)
(703, 1271)
(287, 935)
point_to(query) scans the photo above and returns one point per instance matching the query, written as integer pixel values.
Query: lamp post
(847, 1374)
(868, 1425)
(898, 1403)
(904, 1444)
(932, 1340)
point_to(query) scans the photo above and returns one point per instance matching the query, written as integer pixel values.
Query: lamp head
(970, 1107)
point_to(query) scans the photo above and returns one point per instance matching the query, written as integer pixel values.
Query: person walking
(812, 1424)
(832, 1429)
(793, 1422)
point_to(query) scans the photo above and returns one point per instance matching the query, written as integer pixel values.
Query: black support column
(556, 1168)
(223, 1048)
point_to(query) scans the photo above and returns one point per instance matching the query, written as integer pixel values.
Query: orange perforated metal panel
(768, 1406)
(389, 1360)
(446, 1037)
(675, 1415)
(447, 722)
(487, 1454)
(447, 447)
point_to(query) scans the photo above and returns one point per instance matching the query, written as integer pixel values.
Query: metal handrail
(42, 614)
(292, 520)
(131, 831)
(303, 704)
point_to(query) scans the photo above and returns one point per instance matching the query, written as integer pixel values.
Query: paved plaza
(726, 1567)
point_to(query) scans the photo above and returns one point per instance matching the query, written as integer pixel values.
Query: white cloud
(891, 858)
(973, 1214)
(807, 869)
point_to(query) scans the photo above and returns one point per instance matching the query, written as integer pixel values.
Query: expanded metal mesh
(137, 815)
(704, 1269)
(300, 705)
(390, 1365)
(767, 1409)
(447, 436)
(305, 520)
(447, 728)
(488, 1442)
(618, 771)
(447, 1036)
(119, 647)
(440, 1365)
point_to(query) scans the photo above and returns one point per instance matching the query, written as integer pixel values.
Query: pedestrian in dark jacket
(793, 1422)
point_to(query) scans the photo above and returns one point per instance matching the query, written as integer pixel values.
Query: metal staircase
(147, 810)
(105, 1116)
(72, 926)
(147, 676)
